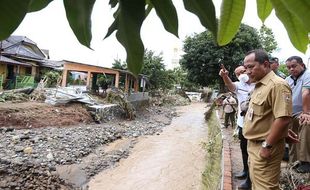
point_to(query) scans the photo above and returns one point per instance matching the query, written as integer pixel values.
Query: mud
(36, 114)
(172, 160)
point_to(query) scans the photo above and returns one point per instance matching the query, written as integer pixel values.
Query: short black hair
(274, 59)
(297, 58)
(260, 55)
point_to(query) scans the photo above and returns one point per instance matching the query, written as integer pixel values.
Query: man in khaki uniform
(266, 121)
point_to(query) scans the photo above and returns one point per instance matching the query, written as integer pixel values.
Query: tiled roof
(22, 47)
(11, 61)
(52, 64)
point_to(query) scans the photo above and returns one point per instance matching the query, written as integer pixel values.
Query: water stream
(173, 160)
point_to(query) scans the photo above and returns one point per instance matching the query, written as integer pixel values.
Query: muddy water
(173, 160)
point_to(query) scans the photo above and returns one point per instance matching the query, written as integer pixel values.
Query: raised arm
(224, 74)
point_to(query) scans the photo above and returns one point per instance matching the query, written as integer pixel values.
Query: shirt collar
(300, 74)
(267, 78)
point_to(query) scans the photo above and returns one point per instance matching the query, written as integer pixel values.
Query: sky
(50, 30)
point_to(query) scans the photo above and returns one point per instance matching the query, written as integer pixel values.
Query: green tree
(179, 76)
(119, 64)
(267, 39)
(283, 69)
(130, 14)
(154, 68)
(52, 78)
(203, 56)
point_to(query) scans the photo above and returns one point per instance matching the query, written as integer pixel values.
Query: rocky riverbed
(39, 158)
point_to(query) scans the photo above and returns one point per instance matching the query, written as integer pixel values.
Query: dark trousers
(244, 152)
(231, 116)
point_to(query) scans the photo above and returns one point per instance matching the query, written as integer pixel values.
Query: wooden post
(136, 84)
(126, 83)
(88, 79)
(116, 83)
(64, 78)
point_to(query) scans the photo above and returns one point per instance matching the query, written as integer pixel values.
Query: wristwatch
(266, 145)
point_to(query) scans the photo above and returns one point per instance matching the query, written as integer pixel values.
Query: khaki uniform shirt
(229, 102)
(271, 99)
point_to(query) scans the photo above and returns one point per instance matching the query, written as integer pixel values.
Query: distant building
(175, 62)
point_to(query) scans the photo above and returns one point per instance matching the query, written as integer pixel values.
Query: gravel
(29, 158)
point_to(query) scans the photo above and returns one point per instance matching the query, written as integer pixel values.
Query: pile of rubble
(29, 158)
(161, 99)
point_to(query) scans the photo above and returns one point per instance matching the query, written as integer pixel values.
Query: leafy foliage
(119, 98)
(103, 81)
(130, 15)
(283, 69)
(267, 39)
(202, 55)
(118, 64)
(154, 68)
(212, 173)
(52, 78)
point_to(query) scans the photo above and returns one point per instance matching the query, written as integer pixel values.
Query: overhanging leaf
(131, 17)
(167, 14)
(295, 28)
(301, 9)
(112, 28)
(148, 9)
(36, 5)
(205, 11)
(12, 12)
(264, 8)
(231, 15)
(114, 25)
(79, 17)
(113, 3)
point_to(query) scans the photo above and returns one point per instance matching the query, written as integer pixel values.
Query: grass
(212, 175)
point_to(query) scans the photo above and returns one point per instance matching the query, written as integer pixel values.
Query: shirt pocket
(258, 107)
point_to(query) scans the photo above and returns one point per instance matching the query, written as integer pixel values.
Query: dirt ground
(39, 114)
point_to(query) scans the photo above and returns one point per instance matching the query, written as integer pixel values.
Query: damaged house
(22, 64)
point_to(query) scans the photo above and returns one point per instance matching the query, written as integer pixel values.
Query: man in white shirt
(242, 89)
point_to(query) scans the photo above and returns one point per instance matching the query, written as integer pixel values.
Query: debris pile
(161, 99)
(116, 96)
(29, 158)
(64, 95)
(17, 95)
(292, 180)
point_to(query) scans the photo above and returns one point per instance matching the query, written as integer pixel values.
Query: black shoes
(241, 175)
(286, 155)
(245, 185)
(303, 167)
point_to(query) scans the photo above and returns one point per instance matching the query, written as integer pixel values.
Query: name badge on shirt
(250, 114)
